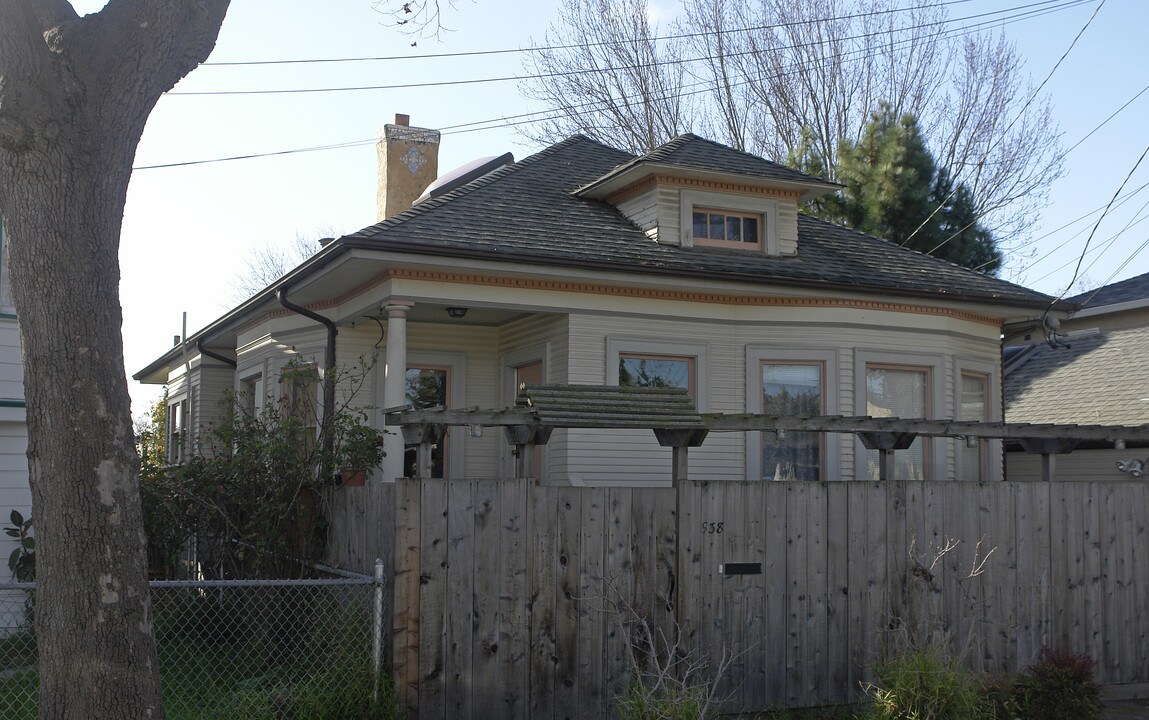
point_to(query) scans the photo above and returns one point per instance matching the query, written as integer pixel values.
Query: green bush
(1061, 686)
(925, 685)
(664, 702)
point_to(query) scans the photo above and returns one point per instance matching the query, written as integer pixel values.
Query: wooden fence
(504, 590)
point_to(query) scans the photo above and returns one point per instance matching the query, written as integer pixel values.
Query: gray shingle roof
(526, 212)
(1099, 379)
(692, 151)
(1135, 288)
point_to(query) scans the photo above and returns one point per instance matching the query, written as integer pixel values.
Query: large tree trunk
(74, 96)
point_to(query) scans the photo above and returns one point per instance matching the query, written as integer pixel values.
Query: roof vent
(464, 174)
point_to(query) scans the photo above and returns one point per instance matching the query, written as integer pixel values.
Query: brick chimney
(408, 163)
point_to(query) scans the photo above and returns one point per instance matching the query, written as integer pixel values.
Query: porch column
(395, 383)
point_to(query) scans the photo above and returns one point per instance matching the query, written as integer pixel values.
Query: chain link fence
(238, 649)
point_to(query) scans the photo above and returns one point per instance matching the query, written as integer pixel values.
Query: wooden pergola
(670, 413)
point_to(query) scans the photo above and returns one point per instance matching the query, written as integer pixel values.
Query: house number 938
(712, 528)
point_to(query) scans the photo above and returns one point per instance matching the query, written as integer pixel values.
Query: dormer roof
(694, 157)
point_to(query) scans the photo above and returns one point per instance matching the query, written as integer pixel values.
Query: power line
(1081, 258)
(1020, 113)
(1043, 5)
(573, 46)
(545, 115)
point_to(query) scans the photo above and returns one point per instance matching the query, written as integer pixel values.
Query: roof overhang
(627, 175)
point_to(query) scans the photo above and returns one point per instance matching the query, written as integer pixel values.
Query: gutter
(328, 373)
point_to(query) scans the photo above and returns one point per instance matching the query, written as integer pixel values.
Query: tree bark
(74, 96)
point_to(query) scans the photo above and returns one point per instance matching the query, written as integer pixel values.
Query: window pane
(974, 392)
(733, 228)
(654, 372)
(426, 388)
(750, 229)
(699, 224)
(717, 226)
(791, 389)
(898, 392)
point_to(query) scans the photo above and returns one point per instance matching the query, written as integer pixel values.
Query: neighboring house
(14, 491)
(1097, 372)
(689, 266)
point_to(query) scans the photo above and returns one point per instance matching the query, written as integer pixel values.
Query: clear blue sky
(187, 229)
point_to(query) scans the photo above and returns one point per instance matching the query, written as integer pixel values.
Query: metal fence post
(377, 637)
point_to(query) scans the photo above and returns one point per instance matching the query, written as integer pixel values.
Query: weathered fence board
(506, 593)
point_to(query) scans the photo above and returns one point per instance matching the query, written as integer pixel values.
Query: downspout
(213, 355)
(328, 375)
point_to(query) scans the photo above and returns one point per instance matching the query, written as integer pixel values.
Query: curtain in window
(903, 393)
(787, 390)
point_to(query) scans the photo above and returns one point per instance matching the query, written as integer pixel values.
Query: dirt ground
(1126, 710)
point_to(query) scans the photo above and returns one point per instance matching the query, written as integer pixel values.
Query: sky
(188, 229)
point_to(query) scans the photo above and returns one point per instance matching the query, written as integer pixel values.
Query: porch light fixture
(457, 312)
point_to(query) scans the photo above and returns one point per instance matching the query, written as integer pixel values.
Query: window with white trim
(716, 219)
(726, 228)
(656, 363)
(974, 405)
(790, 389)
(177, 425)
(656, 371)
(792, 381)
(902, 391)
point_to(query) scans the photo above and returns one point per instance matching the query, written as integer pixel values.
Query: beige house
(689, 266)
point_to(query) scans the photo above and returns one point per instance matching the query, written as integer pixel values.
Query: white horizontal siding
(1082, 465)
(602, 457)
(11, 370)
(14, 492)
(787, 227)
(642, 210)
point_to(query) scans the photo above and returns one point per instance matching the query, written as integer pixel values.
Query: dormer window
(729, 220)
(726, 228)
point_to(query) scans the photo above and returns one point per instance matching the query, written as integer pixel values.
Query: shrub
(924, 685)
(1061, 686)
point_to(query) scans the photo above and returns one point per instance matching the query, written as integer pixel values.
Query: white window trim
(937, 367)
(457, 394)
(832, 444)
(993, 448)
(767, 207)
(628, 346)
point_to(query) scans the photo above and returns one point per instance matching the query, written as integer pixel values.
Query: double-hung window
(177, 422)
(904, 392)
(787, 382)
(974, 405)
(789, 389)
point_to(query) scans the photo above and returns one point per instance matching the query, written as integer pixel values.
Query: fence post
(377, 635)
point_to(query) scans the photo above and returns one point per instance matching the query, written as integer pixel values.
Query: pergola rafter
(671, 414)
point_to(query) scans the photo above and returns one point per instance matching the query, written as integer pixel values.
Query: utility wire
(1081, 258)
(1028, 102)
(541, 116)
(569, 73)
(574, 46)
